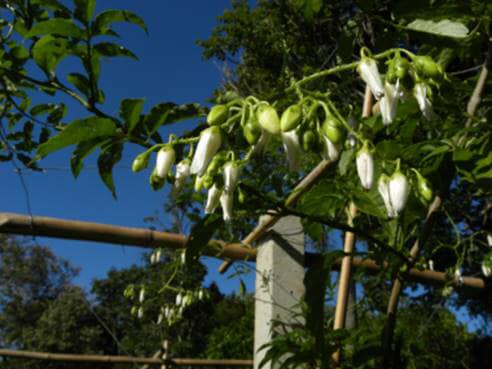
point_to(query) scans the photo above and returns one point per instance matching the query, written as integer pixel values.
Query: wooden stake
(348, 248)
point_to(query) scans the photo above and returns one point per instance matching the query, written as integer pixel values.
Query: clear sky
(170, 69)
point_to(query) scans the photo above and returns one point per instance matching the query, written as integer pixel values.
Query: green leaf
(83, 150)
(109, 156)
(444, 28)
(130, 110)
(78, 131)
(48, 51)
(56, 26)
(80, 81)
(111, 49)
(103, 20)
(310, 8)
(167, 113)
(84, 10)
(201, 234)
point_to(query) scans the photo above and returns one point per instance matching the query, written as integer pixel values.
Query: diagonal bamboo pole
(392, 307)
(348, 249)
(269, 220)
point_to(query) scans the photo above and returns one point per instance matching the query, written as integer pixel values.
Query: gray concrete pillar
(279, 282)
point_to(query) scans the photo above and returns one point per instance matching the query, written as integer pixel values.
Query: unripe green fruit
(427, 66)
(217, 115)
(268, 119)
(331, 129)
(141, 162)
(291, 118)
(309, 140)
(397, 69)
(251, 132)
(208, 181)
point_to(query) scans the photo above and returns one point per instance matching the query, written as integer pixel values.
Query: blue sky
(170, 69)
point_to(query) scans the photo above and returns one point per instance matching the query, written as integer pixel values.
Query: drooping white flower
(431, 264)
(458, 278)
(141, 296)
(368, 70)
(213, 199)
(140, 312)
(383, 188)
(231, 176)
(365, 167)
(179, 299)
(330, 150)
(182, 172)
(489, 239)
(226, 201)
(420, 91)
(292, 147)
(398, 191)
(389, 102)
(165, 160)
(208, 145)
(486, 270)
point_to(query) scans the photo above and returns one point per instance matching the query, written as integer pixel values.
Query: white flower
(183, 257)
(365, 167)
(292, 148)
(140, 312)
(330, 150)
(383, 188)
(160, 318)
(420, 92)
(369, 73)
(226, 201)
(165, 160)
(431, 264)
(152, 259)
(262, 143)
(389, 101)
(179, 299)
(200, 294)
(141, 297)
(158, 255)
(398, 191)
(182, 172)
(458, 278)
(209, 144)
(231, 176)
(212, 199)
(489, 239)
(486, 270)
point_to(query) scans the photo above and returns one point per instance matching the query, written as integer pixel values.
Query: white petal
(365, 168)
(486, 270)
(209, 143)
(292, 148)
(383, 188)
(165, 160)
(331, 151)
(425, 105)
(389, 102)
(398, 192)
(212, 199)
(182, 172)
(226, 201)
(489, 239)
(369, 73)
(231, 176)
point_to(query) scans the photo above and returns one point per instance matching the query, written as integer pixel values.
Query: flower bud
(331, 129)
(427, 67)
(398, 191)
(365, 167)
(369, 73)
(165, 160)
(141, 161)
(309, 141)
(291, 118)
(251, 132)
(383, 189)
(217, 115)
(209, 144)
(389, 102)
(423, 187)
(292, 148)
(213, 199)
(397, 69)
(268, 119)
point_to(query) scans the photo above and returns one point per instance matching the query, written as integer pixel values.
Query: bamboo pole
(269, 220)
(348, 248)
(121, 359)
(89, 231)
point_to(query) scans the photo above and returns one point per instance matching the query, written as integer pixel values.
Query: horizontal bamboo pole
(97, 232)
(142, 237)
(121, 359)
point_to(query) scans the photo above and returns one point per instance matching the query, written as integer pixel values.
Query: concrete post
(279, 281)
